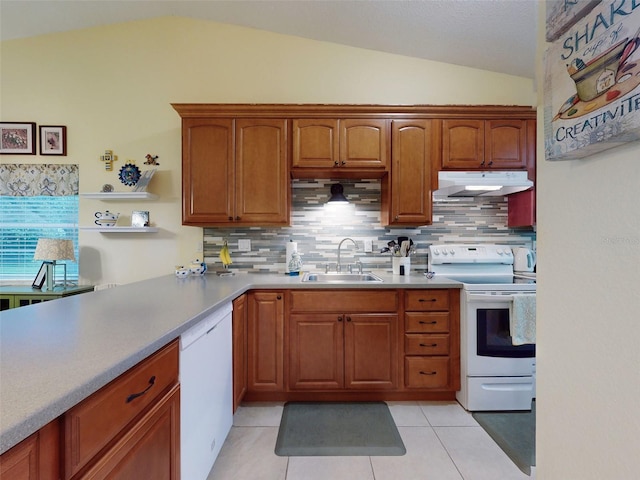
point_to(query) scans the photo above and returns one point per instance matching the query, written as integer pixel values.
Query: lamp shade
(337, 194)
(54, 249)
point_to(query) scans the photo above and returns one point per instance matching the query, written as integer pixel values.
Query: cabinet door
(411, 152)
(316, 354)
(207, 170)
(265, 351)
(150, 449)
(239, 350)
(262, 178)
(315, 143)
(35, 458)
(363, 143)
(371, 351)
(506, 144)
(463, 144)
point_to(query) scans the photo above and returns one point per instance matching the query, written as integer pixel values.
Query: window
(36, 201)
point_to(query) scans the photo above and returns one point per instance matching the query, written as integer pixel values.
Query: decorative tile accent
(318, 228)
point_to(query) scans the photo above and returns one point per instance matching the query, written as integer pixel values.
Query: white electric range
(496, 375)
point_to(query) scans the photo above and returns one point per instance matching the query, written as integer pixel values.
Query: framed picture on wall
(40, 277)
(53, 140)
(17, 138)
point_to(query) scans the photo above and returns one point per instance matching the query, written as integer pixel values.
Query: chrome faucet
(339, 266)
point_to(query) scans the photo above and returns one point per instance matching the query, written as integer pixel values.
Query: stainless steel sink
(335, 277)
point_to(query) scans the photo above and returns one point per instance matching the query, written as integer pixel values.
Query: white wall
(112, 87)
(588, 350)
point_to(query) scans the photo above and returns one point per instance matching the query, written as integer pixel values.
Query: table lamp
(51, 250)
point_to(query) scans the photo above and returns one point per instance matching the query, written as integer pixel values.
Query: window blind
(23, 220)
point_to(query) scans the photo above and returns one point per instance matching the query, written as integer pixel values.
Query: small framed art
(17, 138)
(40, 277)
(53, 140)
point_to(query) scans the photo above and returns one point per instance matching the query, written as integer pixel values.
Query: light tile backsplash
(318, 229)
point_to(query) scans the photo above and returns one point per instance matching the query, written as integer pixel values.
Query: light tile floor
(443, 442)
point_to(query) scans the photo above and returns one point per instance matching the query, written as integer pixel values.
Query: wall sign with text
(592, 83)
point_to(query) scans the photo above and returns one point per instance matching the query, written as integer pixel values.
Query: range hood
(481, 184)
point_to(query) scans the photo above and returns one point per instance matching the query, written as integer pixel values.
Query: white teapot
(106, 218)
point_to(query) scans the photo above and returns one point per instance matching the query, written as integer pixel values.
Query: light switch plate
(244, 245)
(368, 245)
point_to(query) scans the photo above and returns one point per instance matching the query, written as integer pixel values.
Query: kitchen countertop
(55, 354)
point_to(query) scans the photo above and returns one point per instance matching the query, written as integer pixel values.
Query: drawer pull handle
(425, 345)
(422, 322)
(133, 396)
(427, 373)
(428, 300)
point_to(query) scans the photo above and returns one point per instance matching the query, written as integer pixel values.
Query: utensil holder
(397, 262)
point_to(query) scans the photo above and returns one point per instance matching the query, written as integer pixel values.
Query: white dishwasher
(206, 392)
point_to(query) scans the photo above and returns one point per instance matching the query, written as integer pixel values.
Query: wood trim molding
(236, 110)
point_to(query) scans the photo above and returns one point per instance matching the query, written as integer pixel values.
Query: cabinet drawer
(93, 423)
(352, 301)
(419, 344)
(416, 322)
(426, 372)
(426, 300)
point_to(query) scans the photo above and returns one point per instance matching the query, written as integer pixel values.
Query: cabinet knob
(482, 163)
(491, 163)
(335, 163)
(230, 219)
(279, 297)
(427, 373)
(343, 163)
(348, 319)
(237, 218)
(339, 319)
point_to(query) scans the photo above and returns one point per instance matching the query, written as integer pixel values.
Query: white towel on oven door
(522, 319)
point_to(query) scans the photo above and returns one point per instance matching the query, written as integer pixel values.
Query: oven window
(494, 336)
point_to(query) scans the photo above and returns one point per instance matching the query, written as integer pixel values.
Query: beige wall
(112, 87)
(588, 350)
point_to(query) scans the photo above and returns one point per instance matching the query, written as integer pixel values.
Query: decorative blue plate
(129, 174)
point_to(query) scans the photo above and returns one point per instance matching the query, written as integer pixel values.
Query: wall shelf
(117, 229)
(120, 196)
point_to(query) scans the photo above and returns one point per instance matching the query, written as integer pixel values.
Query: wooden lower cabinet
(239, 328)
(37, 457)
(432, 339)
(265, 341)
(150, 449)
(130, 427)
(333, 351)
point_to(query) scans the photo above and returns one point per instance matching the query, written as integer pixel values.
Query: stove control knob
(436, 251)
(508, 252)
(444, 252)
(499, 251)
(452, 251)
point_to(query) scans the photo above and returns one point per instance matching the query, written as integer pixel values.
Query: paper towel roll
(291, 247)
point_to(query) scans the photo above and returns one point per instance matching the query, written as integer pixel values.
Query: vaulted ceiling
(494, 35)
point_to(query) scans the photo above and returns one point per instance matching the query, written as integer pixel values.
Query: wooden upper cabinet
(506, 144)
(262, 180)
(315, 143)
(208, 170)
(339, 147)
(469, 144)
(234, 172)
(413, 145)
